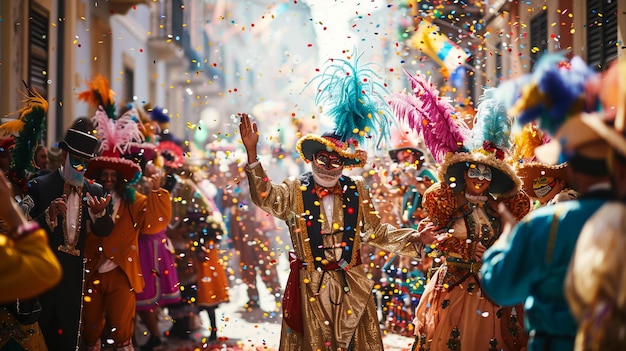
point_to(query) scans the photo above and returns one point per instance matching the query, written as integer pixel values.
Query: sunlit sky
(335, 16)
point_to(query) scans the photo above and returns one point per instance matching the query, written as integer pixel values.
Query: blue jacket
(529, 267)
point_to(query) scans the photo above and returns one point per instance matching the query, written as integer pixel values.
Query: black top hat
(79, 143)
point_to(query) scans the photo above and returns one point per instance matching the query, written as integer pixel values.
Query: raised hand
(98, 204)
(249, 136)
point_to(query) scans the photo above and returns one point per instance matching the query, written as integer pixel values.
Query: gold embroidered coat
(332, 317)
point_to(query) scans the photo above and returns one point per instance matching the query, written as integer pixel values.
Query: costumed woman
(454, 313)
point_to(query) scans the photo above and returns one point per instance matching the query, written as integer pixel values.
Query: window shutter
(38, 48)
(129, 83)
(601, 32)
(538, 36)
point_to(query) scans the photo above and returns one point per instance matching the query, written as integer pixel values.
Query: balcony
(122, 6)
(166, 40)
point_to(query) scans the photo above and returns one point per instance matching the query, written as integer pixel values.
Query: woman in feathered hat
(462, 208)
(328, 302)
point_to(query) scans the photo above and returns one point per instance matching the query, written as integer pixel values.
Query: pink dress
(159, 272)
(454, 313)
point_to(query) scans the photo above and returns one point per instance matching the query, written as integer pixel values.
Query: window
(499, 62)
(538, 36)
(601, 32)
(129, 82)
(38, 48)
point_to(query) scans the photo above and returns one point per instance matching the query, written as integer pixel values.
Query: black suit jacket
(61, 306)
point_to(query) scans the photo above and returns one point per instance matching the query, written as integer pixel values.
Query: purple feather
(431, 116)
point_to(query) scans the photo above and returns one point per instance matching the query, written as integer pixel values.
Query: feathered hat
(555, 97)
(356, 103)
(452, 143)
(488, 144)
(613, 96)
(432, 116)
(402, 143)
(554, 91)
(172, 154)
(99, 94)
(115, 138)
(25, 132)
(528, 167)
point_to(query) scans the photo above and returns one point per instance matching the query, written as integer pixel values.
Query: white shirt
(328, 202)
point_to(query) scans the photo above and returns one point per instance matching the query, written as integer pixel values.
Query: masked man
(68, 207)
(328, 303)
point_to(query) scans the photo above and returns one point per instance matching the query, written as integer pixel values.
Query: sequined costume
(336, 306)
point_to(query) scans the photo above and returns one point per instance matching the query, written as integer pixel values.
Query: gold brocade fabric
(332, 318)
(28, 336)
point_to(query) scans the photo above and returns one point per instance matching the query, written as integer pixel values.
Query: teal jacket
(529, 267)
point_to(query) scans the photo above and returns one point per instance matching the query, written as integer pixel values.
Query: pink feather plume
(432, 116)
(117, 135)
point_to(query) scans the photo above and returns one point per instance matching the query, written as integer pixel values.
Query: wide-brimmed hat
(310, 144)
(575, 136)
(530, 171)
(79, 143)
(504, 181)
(393, 153)
(127, 169)
(172, 154)
(117, 136)
(406, 145)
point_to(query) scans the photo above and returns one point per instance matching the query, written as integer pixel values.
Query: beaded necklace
(67, 247)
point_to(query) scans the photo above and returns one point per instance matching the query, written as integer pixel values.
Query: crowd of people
(495, 231)
(120, 228)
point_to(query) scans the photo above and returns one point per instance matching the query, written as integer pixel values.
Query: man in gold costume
(328, 303)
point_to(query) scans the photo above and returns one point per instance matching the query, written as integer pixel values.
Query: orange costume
(148, 215)
(113, 270)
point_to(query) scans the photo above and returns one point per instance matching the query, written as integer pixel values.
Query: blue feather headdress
(488, 144)
(355, 99)
(555, 91)
(491, 125)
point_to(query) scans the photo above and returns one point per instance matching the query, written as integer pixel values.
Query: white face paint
(71, 174)
(480, 172)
